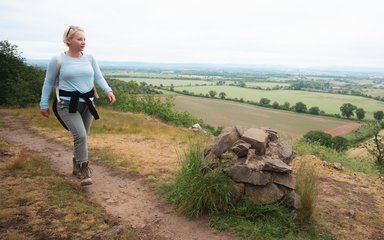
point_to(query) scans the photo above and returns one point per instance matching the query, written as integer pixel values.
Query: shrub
(320, 137)
(339, 143)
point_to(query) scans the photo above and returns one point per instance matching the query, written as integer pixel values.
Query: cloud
(296, 32)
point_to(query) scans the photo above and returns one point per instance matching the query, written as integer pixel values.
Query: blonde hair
(69, 32)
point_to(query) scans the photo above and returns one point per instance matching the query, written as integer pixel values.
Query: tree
(379, 115)
(347, 109)
(222, 95)
(275, 105)
(314, 110)
(212, 93)
(20, 84)
(300, 107)
(286, 105)
(376, 147)
(242, 84)
(360, 113)
(264, 101)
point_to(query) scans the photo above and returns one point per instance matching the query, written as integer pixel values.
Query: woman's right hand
(44, 112)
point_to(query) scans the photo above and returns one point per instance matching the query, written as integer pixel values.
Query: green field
(226, 113)
(265, 85)
(168, 82)
(375, 92)
(330, 103)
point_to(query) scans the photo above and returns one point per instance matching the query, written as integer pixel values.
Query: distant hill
(151, 66)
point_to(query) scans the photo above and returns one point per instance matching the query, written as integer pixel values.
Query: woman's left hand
(111, 97)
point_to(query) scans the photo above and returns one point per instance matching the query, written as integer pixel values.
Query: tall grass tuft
(194, 192)
(307, 187)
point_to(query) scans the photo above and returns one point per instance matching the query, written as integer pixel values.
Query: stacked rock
(257, 162)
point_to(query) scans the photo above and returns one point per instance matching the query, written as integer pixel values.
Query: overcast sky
(298, 33)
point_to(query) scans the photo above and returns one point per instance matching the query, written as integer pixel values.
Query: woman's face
(77, 42)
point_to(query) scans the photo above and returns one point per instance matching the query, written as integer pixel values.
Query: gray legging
(79, 124)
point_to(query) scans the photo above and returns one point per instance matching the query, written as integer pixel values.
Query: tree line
(20, 84)
(347, 110)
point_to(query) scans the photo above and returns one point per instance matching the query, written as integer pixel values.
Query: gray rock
(263, 194)
(286, 153)
(240, 129)
(255, 165)
(253, 161)
(241, 173)
(272, 134)
(251, 154)
(241, 148)
(196, 127)
(293, 200)
(338, 166)
(275, 165)
(258, 139)
(259, 178)
(284, 179)
(225, 141)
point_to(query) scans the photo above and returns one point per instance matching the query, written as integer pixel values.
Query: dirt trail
(126, 197)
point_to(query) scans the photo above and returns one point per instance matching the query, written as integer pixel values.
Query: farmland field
(265, 85)
(226, 113)
(168, 82)
(330, 103)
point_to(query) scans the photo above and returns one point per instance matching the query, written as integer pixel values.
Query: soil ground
(344, 129)
(350, 205)
(124, 196)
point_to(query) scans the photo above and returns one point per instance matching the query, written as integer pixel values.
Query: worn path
(126, 197)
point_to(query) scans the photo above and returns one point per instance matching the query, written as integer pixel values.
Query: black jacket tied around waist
(74, 102)
(75, 97)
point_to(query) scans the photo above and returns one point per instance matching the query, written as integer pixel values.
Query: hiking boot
(85, 174)
(76, 168)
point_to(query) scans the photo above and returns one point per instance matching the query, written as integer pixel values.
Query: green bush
(339, 143)
(195, 192)
(320, 137)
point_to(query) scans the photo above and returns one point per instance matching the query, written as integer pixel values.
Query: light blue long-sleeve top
(75, 74)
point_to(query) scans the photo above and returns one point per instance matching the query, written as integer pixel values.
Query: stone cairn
(257, 162)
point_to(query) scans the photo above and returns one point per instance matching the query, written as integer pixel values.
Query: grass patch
(267, 222)
(332, 156)
(195, 192)
(255, 221)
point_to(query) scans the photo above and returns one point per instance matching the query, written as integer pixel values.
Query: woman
(75, 73)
